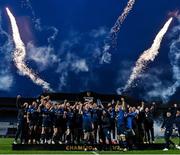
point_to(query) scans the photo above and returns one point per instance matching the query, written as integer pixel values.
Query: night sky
(70, 59)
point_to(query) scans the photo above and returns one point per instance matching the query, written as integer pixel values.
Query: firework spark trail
(148, 55)
(20, 53)
(115, 29)
(112, 38)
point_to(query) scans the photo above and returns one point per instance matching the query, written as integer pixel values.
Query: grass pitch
(6, 148)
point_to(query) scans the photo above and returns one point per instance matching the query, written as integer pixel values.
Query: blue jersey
(59, 113)
(130, 117)
(70, 118)
(47, 117)
(70, 115)
(94, 115)
(47, 114)
(33, 114)
(121, 117)
(112, 113)
(87, 121)
(78, 120)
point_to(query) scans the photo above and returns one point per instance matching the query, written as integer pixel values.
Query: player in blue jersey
(88, 125)
(47, 120)
(56, 122)
(69, 122)
(120, 121)
(130, 118)
(32, 119)
(96, 120)
(112, 115)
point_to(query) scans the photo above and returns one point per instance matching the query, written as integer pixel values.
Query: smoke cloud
(77, 56)
(70, 63)
(6, 80)
(6, 46)
(174, 56)
(44, 56)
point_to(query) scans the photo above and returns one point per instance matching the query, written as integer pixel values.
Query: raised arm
(17, 101)
(123, 104)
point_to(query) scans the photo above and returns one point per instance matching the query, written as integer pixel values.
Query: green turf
(5, 148)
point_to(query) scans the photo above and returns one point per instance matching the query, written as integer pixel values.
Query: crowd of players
(91, 122)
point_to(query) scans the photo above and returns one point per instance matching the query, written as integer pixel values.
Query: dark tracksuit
(77, 127)
(112, 114)
(60, 123)
(106, 127)
(177, 122)
(70, 119)
(148, 126)
(140, 127)
(21, 121)
(168, 125)
(95, 119)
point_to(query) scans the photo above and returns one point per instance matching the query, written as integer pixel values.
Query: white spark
(20, 53)
(148, 55)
